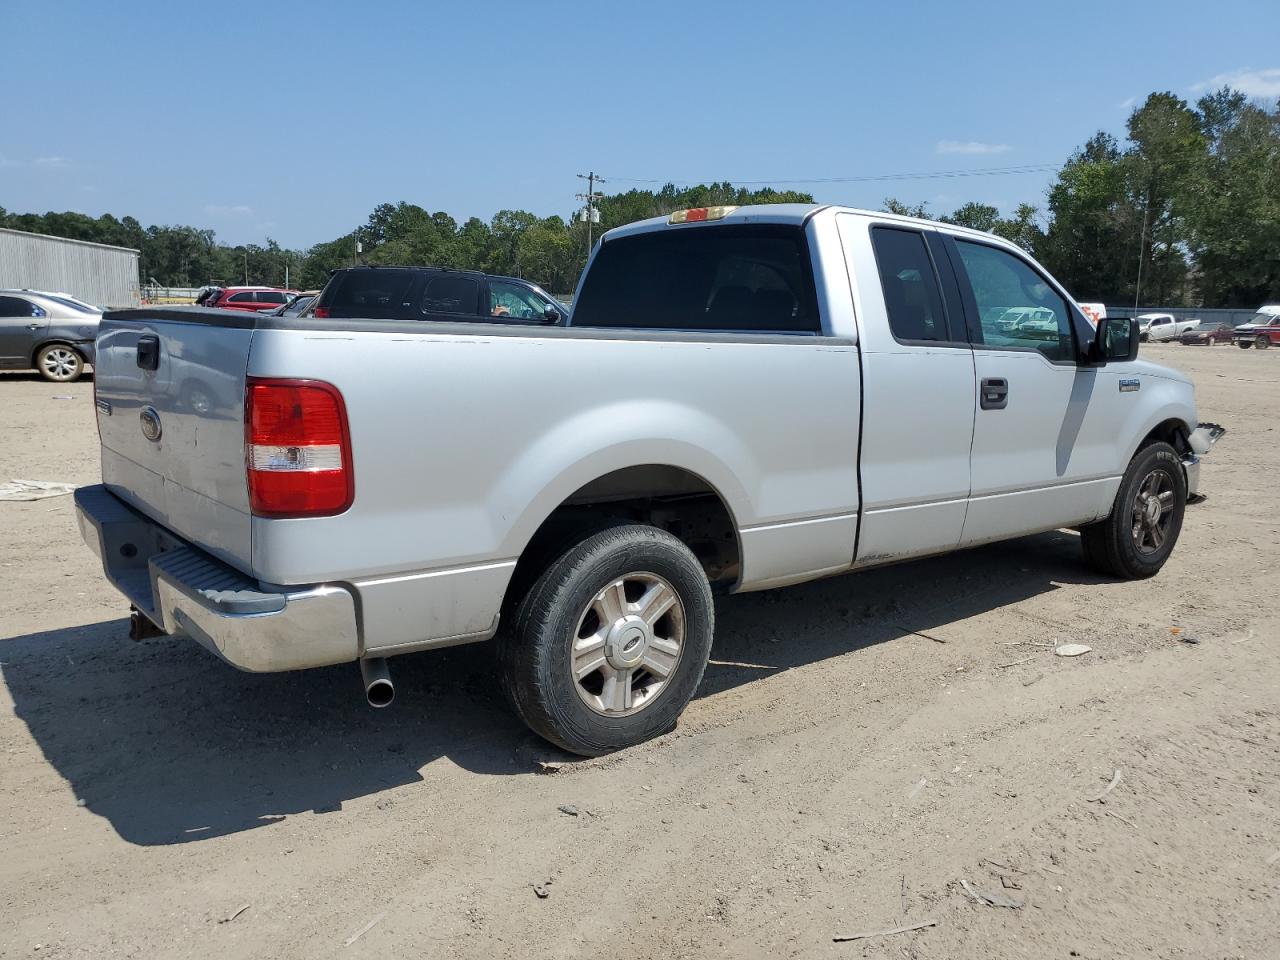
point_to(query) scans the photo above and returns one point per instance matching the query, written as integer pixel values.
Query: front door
(1043, 434)
(21, 326)
(918, 391)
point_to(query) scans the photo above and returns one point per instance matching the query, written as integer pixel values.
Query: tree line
(1185, 211)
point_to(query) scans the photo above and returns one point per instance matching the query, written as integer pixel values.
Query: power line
(1022, 169)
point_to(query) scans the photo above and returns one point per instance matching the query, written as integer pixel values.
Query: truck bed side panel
(464, 441)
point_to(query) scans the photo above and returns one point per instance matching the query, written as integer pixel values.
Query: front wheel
(1263, 343)
(611, 641)
(1136, 538)
(1243, 344)
(59, 363)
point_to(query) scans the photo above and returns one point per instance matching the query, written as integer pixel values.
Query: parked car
(1262, 331)
(743, 398)
(249, 298)
(1162, 326)
(51, 333)
(434, 293)
(1207, 334)
(294, 307)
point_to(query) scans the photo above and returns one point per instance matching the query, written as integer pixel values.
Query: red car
(1206, 335)
(249, 298)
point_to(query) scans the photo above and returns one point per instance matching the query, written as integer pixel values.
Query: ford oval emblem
(150, 421)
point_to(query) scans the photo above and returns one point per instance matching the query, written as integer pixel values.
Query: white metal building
(96, 272)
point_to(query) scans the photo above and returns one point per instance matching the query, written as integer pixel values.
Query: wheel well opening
(670, 498)
(1172, 432)
(35, 354)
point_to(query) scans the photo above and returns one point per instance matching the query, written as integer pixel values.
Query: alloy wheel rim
(60, 364)
(627, 644)
(1153, 511)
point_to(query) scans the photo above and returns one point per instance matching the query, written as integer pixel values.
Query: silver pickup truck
(742, 399)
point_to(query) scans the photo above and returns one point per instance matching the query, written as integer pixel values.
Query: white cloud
(228, 210)
(972, 147)
(1253, 83)
(52, 163)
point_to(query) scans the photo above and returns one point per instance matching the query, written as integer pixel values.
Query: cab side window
(514, 301)
(910, 285)
(1017, 308)
(18, 307)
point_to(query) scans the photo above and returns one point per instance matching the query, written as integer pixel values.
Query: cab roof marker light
(700, 214)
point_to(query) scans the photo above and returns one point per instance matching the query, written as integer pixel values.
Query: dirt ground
(838, 772)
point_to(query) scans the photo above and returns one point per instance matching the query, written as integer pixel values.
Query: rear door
(243, 300)
(22, 324)
(1044, 428)
(918, 391)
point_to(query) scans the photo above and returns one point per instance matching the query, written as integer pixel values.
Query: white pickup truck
(1159, 327)
(742, 399)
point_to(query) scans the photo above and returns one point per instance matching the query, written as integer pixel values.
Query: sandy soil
(838, 773)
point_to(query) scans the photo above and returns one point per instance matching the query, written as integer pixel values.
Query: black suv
(434, 293)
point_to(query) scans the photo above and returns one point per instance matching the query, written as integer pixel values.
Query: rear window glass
(744, 278)
(447, 293)
(71, 304)
(272, 296)
(370, 294)
(910, 287)
(241, 298)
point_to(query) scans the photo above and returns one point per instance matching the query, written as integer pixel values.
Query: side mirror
(1116, 340)
(551, 315)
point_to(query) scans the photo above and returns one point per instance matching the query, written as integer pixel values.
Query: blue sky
(292, 120)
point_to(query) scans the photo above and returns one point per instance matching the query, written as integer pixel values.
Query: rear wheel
(59, 363)
(1263, 343)
(1135, 540)
(610, 642)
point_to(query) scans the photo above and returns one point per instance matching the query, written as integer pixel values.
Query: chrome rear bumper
(182, 590)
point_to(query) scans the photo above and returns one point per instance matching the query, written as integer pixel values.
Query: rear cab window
(723, 278)
(912, 297)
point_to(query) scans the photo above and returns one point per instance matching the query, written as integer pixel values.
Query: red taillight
(321, 312)
(297, 449)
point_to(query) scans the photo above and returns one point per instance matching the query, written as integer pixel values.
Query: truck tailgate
(169, 386)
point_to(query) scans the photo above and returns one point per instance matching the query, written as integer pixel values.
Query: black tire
(534, 653)
(1243, 344)
(1110, 545)
(1263, 343)
(59, 363)
(1144, 337)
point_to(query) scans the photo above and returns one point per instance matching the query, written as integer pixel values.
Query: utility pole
(246, 266)
(591, 214)
(1142, 242)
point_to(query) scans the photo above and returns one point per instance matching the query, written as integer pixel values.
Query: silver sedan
(50, 332)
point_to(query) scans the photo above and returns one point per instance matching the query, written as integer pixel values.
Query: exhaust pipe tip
(378, 688)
